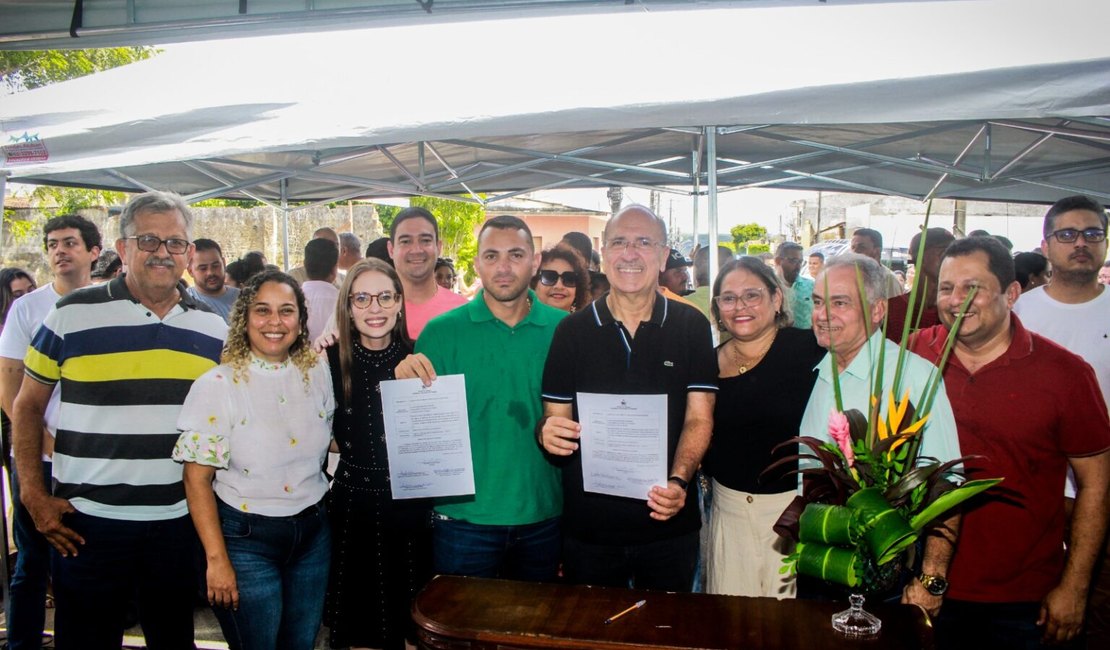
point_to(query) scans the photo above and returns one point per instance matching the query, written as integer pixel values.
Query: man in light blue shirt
(788, 259)
(854, 330)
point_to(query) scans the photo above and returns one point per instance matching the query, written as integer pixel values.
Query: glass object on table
(855, 622)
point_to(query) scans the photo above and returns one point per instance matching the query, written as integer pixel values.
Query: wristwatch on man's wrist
(935, 585)
(682, 483)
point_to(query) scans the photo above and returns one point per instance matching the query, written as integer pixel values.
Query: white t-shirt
(321, 298)
(1083, 329)
(24, 319)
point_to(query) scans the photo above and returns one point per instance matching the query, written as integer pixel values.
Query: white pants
(745, 554)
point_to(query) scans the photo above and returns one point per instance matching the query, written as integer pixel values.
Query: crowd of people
(227, 438)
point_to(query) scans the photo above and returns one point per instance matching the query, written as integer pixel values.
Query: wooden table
(457, 613)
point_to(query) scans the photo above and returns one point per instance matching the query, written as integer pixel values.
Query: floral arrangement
(871, 494)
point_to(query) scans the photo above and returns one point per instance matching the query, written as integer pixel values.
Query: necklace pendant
(743, 369)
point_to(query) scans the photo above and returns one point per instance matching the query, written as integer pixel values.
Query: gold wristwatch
(935, 585)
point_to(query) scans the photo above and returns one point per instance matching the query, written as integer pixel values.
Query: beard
(1075, 276)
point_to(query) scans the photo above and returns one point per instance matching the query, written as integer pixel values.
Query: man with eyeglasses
(1027, 410)
(634, 342)
(509, 527)
(788, 261)
(125, 354)
(72, 245)
(849, 324)
(1073, 310)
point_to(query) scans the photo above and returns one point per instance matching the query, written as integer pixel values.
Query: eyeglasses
(1069, 235)
(549, 278)
(151, 244)
(749, 298)
(638, 244)
(386, 299)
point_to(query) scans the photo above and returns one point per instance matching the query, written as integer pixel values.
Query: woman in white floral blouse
(255, 432)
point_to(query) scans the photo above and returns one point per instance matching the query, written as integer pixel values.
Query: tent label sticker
(24, 149)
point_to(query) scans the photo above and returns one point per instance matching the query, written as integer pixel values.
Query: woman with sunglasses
(382, 549)
(766, 373)
(562, 281)
(255, 434)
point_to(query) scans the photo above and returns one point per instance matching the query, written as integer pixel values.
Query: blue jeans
(529, 552)
(281, 569)
(119, 559)
(27, 595)
(665, 565)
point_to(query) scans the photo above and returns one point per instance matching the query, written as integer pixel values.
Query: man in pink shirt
(414, 245)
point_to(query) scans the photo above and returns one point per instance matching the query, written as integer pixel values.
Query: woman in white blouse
(255, 433)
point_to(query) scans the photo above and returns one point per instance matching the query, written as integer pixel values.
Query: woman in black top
(766, 375)
(381, 553)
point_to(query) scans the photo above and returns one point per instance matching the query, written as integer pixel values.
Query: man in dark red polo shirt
(1031, 409)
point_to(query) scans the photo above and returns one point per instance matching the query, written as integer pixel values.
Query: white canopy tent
(980, 99)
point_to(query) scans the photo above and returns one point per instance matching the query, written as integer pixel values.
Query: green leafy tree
(747, 232)
(63, 200)
(386, 214)
(457, 220)
(33, 69)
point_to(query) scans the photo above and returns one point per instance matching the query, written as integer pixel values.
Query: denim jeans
(666, 565)
(528, 552)
(25, 608)
(964, 624)
(281, 569)
(119, 559)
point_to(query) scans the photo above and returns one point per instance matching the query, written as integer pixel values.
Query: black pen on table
(614, 617)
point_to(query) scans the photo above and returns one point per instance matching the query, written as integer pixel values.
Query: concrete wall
(238, 230)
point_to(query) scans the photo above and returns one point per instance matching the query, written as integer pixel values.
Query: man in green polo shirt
(509, 528)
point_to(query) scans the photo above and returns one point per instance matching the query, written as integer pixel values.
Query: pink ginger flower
(839, 431)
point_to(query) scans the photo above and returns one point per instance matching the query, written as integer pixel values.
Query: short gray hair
(874, 282)
(154, 201)
(636, 207)
(350, 241)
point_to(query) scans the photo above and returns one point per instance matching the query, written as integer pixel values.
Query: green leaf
(951, 499)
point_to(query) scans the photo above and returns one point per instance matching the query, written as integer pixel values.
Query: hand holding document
(624, 443)
(427, 436)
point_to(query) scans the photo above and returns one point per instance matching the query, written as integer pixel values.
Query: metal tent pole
(711, 181)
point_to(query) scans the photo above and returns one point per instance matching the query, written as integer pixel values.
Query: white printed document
(623, 443)
(427, 436)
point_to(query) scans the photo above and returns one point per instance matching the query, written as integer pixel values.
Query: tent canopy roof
(911, 99)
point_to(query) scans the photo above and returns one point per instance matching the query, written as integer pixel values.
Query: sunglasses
(549, 278)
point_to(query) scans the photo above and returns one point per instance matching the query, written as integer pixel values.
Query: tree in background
(747, 232)
(27, 70)
(32, 69)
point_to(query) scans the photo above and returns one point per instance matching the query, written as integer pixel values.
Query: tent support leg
(285, 224)
(711, 181)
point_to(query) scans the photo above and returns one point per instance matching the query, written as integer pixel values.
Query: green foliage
(63, 200)
(33, 69)
(756, 249)
(747, 232)
(228, 203)
(386, 213)
(21, 230)
(457, 220)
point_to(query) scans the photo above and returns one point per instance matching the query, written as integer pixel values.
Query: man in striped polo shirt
(125, 354)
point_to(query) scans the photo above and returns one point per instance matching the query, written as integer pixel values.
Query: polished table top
(454, 612)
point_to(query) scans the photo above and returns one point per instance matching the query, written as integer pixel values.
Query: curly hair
(237, 350)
